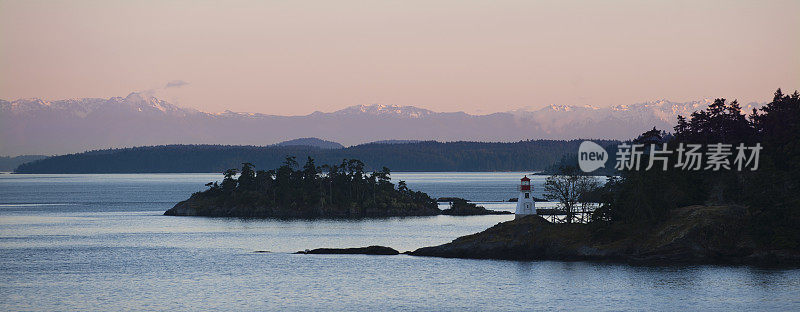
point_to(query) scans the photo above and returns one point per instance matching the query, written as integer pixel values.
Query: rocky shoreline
(197, 205)
(694, 234)
(200, 204)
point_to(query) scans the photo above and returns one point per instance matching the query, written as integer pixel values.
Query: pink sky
(296, 57)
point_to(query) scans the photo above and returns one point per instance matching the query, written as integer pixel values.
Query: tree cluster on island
(637, 199)
(344, 190)
(771, 193)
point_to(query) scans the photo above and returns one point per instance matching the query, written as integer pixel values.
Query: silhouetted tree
(569, 188)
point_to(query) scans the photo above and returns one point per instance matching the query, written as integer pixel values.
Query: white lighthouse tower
(525, 204)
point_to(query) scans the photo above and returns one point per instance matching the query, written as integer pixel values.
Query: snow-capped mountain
(133, 103)
(35, 126)
(615, 122)
(392, 111)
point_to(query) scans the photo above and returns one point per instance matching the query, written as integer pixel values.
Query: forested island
(530, 155)
(343, 190)
(749, 216)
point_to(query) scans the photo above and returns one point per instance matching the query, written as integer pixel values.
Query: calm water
(99, 242)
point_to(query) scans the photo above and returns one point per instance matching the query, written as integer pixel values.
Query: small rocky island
(329, 191)
(461, 207)
(371, 250)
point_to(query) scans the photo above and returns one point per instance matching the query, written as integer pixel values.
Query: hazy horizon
(294, 58)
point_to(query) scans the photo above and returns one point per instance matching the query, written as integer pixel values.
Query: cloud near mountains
(35, 126)
(175, 84)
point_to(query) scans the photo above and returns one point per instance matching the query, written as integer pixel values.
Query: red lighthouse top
(525, 184)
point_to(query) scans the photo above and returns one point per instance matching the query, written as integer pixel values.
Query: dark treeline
(570, 160)
(341, 190)
(418, 156)
(771, 194)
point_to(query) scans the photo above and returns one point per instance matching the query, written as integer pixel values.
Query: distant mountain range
(35, 126)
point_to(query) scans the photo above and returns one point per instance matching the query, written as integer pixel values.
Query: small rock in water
(371, 250)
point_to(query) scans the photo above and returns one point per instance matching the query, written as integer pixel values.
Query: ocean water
(99, 242)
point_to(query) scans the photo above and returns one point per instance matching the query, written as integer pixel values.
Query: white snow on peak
(560, 108)
(158, 106)
(621, 107)
(385, 110)
(82, 107)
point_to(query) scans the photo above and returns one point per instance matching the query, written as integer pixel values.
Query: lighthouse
(525, 203)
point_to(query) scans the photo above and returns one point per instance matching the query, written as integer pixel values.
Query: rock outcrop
(371, 250)
(460, 207)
